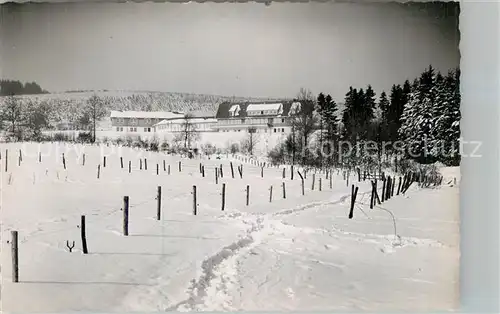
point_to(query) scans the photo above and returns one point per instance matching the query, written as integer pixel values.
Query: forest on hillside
(417, 120)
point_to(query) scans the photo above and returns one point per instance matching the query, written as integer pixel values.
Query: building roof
(261, 107)
(223, 110)
(146, 114)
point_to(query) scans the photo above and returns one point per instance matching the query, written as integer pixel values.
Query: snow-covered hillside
(297, 253)
(68, 106)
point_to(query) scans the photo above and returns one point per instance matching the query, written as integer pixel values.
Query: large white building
(139, 123)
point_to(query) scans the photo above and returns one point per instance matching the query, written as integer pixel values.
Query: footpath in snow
(300, 253)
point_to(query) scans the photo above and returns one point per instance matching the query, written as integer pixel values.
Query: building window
(283, 130)
(274, 130)
(282, 120)
(262, 112)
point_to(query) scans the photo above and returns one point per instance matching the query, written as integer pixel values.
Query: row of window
(252, 121)
(132, 129)
(137, 120)
(275, 130)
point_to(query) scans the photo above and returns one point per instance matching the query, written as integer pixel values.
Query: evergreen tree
(417, 120)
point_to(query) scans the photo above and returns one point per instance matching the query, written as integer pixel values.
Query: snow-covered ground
(300, 253)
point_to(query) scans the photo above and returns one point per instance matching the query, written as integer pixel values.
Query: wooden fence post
(271, 194)
(168, 169)
(164, 166)
(331, 183)
(64, 161)
(319, 184)
(284, 174)
(203, 171)
(291, 172)
(125, 215)
(248, 194)
(157, 169)
(383, 189)
(313, 181)
(15, 257)
(129, 166)
(195, 204)
(372, 198)
(262, 172)
(158, 203)
(83, 162)
(240, 170)
(221, 172)
(180, 166)
(353, 200)
(393, 184)
(399, 186)
(232, 169)
(145, 164)
(39, 157)
(83, 235)
(216, 175)
(302, 182)
(121, 162)
(284, 190)
(104, 162)
(98, 171)
(223, 196)
(140, 164)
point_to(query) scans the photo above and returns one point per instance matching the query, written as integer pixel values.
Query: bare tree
(189, 133)
(304, 123)
(250, 141)
(12, 113)
(94, 111)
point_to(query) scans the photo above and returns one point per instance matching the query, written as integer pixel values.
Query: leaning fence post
(15, 257)
(125, 215)
(194, 201)
(223, 196)
(302, 182)
(313, 181)
(98, 171)
(248, 194)
(83, 235)
(232, 169)
(158, 203)
(399, 186)
(284, 190)
(353, 200)
(271, 194)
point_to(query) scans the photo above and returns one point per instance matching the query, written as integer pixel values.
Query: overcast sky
(225, 49)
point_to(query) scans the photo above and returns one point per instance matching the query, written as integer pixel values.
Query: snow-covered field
(300, 253)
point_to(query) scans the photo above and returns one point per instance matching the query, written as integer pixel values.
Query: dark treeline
(11, 88)
(417, 121)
